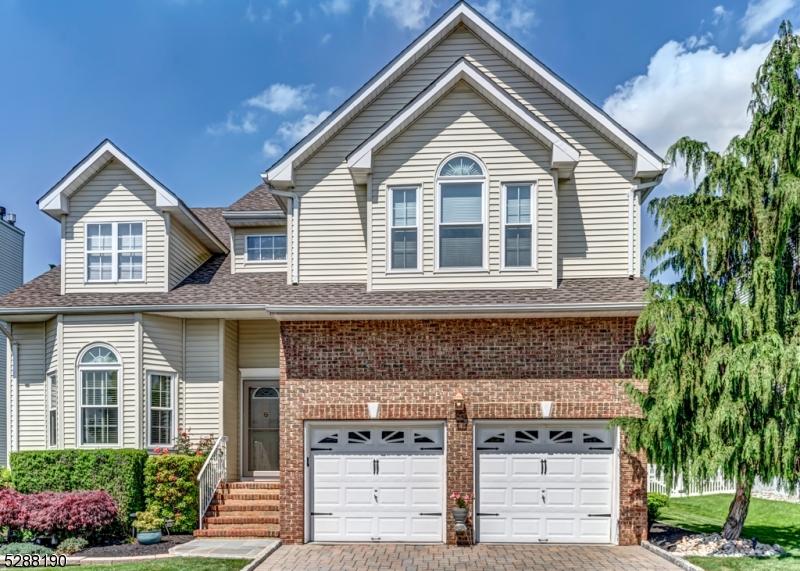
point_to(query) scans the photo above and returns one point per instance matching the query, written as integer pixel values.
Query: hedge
(170, 482)
(120, 472)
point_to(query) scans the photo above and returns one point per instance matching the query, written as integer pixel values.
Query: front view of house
(430, 293)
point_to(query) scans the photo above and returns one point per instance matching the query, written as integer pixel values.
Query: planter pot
(460, 515)
(148, 537)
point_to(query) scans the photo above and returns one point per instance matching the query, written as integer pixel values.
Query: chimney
(11, 219)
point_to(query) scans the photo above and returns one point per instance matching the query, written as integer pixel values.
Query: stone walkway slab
(224, 548)
(400, 557)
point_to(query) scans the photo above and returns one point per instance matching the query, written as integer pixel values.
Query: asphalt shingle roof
(258, 199)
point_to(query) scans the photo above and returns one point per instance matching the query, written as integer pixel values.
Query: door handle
(487, 448)
(439, 514)
(320, 513)
(545, 465)
(598, 515)
(543, 500)
(377, 466)
(322, 449)
(483, 514)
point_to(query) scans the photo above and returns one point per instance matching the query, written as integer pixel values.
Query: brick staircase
(243, 510)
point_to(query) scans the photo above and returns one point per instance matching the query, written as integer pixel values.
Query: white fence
(716, 485)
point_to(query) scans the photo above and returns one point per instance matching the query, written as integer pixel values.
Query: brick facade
(504, 367)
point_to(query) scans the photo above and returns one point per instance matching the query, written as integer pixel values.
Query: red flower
(165, 451)
(199, 452)
(157, 450)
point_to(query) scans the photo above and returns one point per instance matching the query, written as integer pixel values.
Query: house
(12, 242)
(430, 293)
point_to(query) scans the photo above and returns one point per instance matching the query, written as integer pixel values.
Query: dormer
(122, 230)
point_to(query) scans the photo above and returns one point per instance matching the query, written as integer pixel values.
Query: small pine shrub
(655, 502)
(24, 549)
(71, 545)
(5, 479)
(149, 520)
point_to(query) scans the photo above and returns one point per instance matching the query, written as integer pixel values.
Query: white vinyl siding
(230, 396)
(186, 253)
(242, 265)
(202, 384)
(259, 344)
(114, 194)
(11, 253)
(32, 385)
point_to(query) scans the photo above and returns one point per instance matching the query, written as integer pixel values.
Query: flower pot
(460, 515)
(148, 537)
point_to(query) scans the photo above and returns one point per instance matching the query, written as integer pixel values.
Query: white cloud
(699, 93)
(233, 124)
(291, 132)
(761, 14)
(271, 150)
(298, 17)
(280, 98)
(409, 14)
(510, 15)
(251, 15)
(336, 6)
(325, 39)
(720, 13)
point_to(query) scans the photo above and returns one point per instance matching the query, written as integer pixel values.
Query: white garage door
(377, 483)
(542, 483)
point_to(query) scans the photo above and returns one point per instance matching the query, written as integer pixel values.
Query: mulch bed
(116, 548)
(665, 536)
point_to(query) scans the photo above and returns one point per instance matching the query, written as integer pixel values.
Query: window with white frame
(52, 385)
(461, 219)
(404, 229)
(266, 248)
(518, 225)
(160, 388)
(114, 251)
(99, 371)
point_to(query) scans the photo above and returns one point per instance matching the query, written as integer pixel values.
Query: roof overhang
(254, 218)
(563, 156)
(187, 311)
(281, 174)
(56, 201)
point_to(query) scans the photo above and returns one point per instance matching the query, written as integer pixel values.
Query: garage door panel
(358, 497)
(494, 498)
(561, 529)
(392, 497)
(358, 466)
(595, 529)
(522, 467)
(526, 497)
(493, 466)
(561, 497)
(327, 467)
(596, 466)
(526, 529)
(393, 527)
(426, 497)
(559, 466)
(595, 498)
(327, 497)
(327, 527)
(426, 528)
(495, 529)
(393, 466)
(425, 466)
(358, 527)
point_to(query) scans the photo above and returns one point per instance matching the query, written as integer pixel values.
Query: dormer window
(461, 218)
(266, 248)
(115, 252)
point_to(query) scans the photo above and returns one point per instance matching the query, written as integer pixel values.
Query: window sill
(518, 269)
(265, 263)
(461, 271)
(403, 272)
(92, 282)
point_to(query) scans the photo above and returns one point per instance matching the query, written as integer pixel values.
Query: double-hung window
(52, 385)
(99, 396)
(266, 248)
(404, 229)
(462, 217)
(114, 251)
(518, 214)
(160, 388)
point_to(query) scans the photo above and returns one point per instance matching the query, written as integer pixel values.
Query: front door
(261, 417)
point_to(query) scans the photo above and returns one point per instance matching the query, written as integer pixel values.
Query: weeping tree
(720, 347)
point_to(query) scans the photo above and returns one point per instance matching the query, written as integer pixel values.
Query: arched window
(461, 217)
(99, 373)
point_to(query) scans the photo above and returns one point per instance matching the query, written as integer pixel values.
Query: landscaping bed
(175, 564)
(121, 548)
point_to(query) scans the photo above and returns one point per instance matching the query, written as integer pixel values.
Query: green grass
(177, 564)
(770, 522)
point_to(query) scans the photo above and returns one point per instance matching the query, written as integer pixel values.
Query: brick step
(239, 533)
(266, 526)
(231, 508)
(246, 495)
(240, 502)
(251, 486)
(241, 520)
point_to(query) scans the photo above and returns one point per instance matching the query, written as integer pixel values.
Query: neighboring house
(430, 293)
(12, 242)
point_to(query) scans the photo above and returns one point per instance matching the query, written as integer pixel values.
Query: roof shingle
(258, 199)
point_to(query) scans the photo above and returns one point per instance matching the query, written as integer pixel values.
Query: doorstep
(225, 548)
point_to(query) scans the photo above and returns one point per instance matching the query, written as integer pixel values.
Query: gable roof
(647, 163)
(55, 202)
(563, 155)
(258, 199)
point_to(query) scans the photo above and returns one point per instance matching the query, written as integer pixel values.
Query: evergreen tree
(720, 347)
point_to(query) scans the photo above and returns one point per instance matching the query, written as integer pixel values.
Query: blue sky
(205, 94)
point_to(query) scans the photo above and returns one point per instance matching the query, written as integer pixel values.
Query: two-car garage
(534, 482)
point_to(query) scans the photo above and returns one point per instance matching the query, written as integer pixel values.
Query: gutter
(295, 226)
(631, 212)
(128, 309)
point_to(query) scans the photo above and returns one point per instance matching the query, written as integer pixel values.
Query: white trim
(260, 374)
(554, 236)
(49, 376)
(533, 225)
(249, 262)
(437, 211)
(295, 264)
(167, 233)
(174, 409)
(115, 252)
(631, 196)
(244, 427)
(369, 232)
(390, 226)
(615, 494)
(138, 332)
(64, 253)
(61, 369)
(118, 367)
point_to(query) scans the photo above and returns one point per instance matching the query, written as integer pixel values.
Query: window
(99, 396)
(270, 248)
(52, 382)
(518, 226)
(161, 414)
(115, 252)
(404, 229)
(462, 220)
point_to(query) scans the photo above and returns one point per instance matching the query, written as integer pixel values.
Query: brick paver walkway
(396, 557)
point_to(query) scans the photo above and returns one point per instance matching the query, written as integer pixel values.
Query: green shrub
(5, 479)
(71, 545)
(150, 519)
(655, 502)
(170, 482)
(24, 549)
(118, 472)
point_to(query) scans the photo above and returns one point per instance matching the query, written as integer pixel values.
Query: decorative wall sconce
(547, 406)
(459, 402)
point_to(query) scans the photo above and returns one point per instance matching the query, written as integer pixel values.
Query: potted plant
(461, 511)
(148, 526)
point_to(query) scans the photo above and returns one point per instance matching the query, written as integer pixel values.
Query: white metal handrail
(213, 472)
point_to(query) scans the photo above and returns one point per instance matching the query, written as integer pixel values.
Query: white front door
(545, 484)
(375, 483)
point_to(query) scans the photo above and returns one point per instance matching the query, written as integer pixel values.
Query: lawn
(770, 522)
(177, 564)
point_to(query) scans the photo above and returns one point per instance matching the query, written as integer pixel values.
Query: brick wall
(330, 370)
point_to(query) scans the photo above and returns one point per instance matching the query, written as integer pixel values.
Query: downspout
(295, 227)
(631, 212)
(14, 385)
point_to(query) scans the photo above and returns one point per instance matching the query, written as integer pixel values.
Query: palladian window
(461, 217)
(99, 396)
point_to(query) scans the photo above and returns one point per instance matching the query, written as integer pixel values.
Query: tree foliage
(720, 347)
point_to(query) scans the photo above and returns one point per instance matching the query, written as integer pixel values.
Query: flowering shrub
(57, 513)
(462, 499)
(183, 443)
(170, 482)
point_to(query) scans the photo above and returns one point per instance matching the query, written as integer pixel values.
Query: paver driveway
(397, 557)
